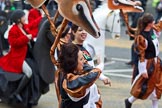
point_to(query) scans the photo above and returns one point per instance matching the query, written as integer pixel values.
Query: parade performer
(79, 38)
(95, 100)
(76, 77)
(147, 79)
(19, 39)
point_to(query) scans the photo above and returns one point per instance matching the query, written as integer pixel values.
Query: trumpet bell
(35, 3)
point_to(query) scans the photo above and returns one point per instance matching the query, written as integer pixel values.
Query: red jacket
(12, 62)
(32, 28)
(34, 16)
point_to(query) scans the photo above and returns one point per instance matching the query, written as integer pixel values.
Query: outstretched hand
(107, 81)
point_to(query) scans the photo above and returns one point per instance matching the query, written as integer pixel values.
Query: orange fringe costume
(152, 87)
(73, 87)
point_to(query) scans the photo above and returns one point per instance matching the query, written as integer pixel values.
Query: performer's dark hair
(144, 21)
(68, 57)
(74, 29)
(65, 31)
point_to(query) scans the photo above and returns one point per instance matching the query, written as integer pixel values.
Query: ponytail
(140, 26)
(144, 21)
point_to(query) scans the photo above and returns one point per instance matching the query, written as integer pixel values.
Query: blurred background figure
(135, 16)
(33, 15)
(95, 4)
(5, 9)
(6, 5)
(2, 5)
(52, 7)
(154, 3)
(98, 2)
(25, 5)
(158, 10)
(3, 28)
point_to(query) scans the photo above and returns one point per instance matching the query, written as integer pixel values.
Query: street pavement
(117, 54)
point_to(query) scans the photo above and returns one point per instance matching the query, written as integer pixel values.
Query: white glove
(142, 67)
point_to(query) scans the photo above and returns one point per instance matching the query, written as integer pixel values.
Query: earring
(75, 72)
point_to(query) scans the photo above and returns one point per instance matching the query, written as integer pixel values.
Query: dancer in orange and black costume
(75, 77)
(147, 79)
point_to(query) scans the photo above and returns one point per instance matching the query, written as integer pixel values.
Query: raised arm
(76, 85)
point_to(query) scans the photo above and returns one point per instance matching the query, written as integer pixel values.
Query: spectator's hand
(29, 36)
(107, 81)
(145, 75)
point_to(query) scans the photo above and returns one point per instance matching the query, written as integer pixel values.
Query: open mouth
(83, 36)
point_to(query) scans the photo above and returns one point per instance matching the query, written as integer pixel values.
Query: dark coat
(41, 52)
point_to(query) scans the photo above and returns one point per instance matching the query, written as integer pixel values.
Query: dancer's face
(80, 35)
(80, 61)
